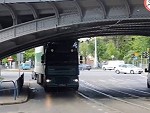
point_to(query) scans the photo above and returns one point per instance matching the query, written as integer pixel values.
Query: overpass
(29, 23)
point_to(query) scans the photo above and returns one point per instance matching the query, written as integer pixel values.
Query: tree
(101, 48)
(83, 48)
(140, 43)
(29, 54)
(111, 50)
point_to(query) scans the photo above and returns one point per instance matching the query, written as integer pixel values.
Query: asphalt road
(99, 92)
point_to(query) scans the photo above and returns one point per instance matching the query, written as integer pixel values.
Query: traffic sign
(10, 58)
(136, 54)
(147, 4)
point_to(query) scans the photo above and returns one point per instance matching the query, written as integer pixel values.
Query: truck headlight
(75, 80)
(48, 80)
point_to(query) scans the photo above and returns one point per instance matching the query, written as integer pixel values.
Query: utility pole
(20, 59)
(95, 56)
(141, 61)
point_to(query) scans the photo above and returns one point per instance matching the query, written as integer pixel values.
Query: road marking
(115, 98)
(128, 87)
(102, 80)
(99, 109)
(99, 103)
(93, 106)
(87, 103)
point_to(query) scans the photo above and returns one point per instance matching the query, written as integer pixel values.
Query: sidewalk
(16, 70)
(7, 97)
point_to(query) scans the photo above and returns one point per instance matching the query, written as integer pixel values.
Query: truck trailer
(56, 65)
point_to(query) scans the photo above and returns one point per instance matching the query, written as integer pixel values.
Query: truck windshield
(62, 54)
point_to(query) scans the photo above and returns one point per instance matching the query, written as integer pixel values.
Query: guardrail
(17, 86)
(14, 88)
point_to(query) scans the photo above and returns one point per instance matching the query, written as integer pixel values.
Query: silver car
(84, 67)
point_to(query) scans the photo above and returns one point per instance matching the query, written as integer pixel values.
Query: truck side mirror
(146, 70)
(42, 59)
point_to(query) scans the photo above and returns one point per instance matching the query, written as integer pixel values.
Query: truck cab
(56, 65)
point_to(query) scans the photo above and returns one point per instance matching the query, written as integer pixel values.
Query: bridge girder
(69, 19)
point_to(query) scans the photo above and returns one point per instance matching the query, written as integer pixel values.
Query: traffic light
(81, 59)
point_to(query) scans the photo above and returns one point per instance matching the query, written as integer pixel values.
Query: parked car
(25, 66)
(128, 68)
(84, 67)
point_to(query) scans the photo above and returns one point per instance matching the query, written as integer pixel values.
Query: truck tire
(117, 71)
(132, 72)
(34, 76)
(104, 68)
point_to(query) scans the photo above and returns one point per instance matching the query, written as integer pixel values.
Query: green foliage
(1, 78)
(101, 48)
(128, 57)
(83, 48)
(111, 50)
(121, 47)
(5, 60)
(29, 54)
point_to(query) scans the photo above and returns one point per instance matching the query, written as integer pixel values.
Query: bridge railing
(14, 1)
(38, 25)
(27, 28)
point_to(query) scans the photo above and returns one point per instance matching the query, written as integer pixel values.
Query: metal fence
(17, 86)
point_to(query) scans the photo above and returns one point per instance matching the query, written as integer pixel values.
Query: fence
(17, 86)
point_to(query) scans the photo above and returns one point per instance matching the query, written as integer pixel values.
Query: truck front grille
(61, 80)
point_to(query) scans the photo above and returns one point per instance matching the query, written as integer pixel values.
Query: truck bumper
(71, 86)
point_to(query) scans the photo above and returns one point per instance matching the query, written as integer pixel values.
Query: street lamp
(95, 55)
(20, 59)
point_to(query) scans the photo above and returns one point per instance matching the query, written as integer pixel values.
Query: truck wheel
(34, 75)
(148, 85)
(104, 68)
(117, 71)
(132, 72)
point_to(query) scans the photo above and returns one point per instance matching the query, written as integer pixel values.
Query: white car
(128, 68)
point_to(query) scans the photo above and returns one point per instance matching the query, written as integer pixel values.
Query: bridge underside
(26, 25)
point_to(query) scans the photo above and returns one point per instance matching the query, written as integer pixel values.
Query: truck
(112, 64)
(56, 65)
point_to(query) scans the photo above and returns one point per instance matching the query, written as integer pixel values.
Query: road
(99, 92)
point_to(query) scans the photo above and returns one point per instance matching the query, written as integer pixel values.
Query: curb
(20, 102)
(15, 70)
